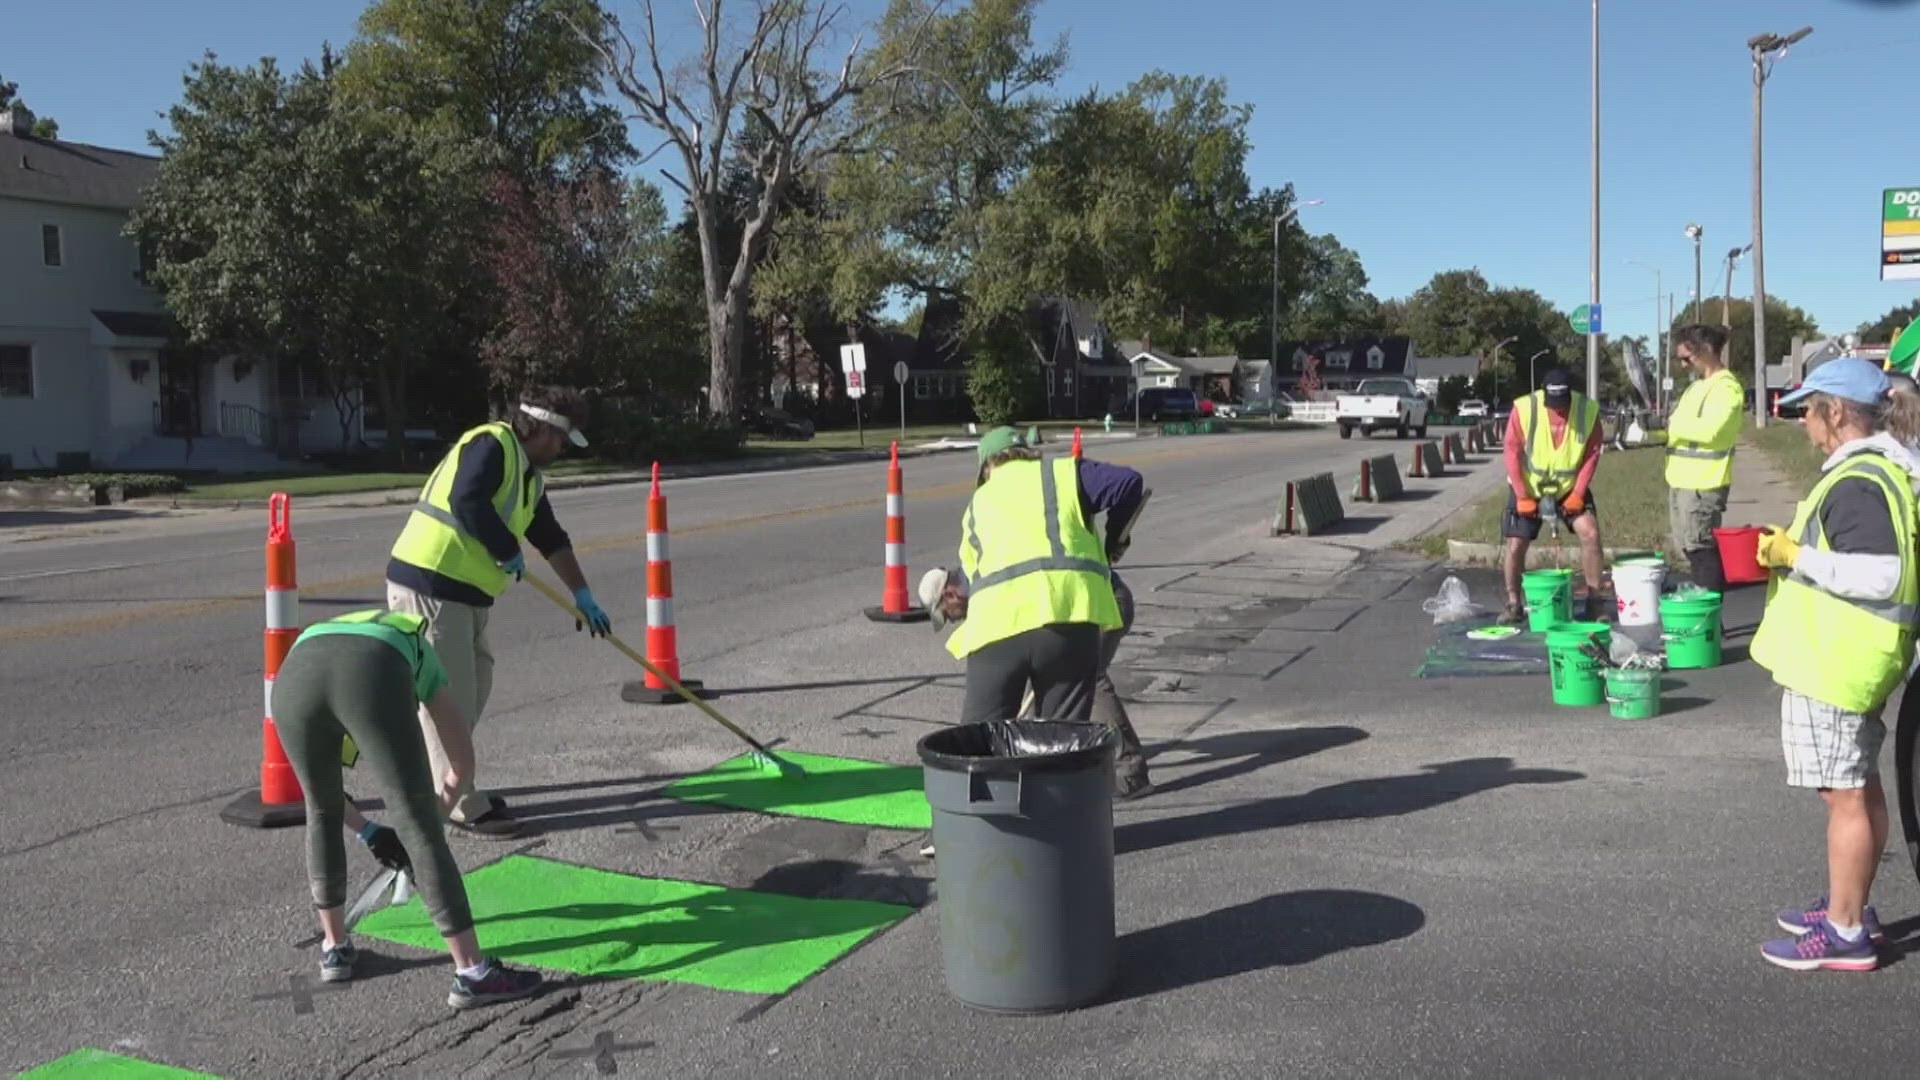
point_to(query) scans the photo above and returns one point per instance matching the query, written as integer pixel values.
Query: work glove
(1527, 508)
(1777, 551)
(517, 566)
(597, 622)
(1574, 504)
(386, 847)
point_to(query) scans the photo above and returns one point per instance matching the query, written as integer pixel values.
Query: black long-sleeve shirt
(482, 466)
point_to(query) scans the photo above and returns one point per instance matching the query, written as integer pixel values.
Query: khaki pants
(458, 633)
(1692, 515)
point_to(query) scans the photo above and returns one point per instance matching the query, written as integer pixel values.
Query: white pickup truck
(1382, 403)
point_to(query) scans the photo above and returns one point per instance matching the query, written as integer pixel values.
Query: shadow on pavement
(59, 516)
(1249, 751)
(838, 684)
(1283, 930)
(1351, 800)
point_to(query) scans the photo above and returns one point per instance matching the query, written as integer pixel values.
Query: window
(52, 251)
(922, 387)
(16, 371)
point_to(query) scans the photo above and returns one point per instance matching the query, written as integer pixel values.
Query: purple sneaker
(1801, 920)
(1820, 949)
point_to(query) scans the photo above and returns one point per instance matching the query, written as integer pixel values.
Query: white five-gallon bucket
(1636, 585)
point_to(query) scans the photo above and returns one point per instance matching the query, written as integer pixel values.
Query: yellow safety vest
(1550, 469)
(433, 539)
(1693, 462)
(1847, 653)
(1029, 556)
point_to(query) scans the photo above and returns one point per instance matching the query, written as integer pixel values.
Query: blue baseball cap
(1843, 377)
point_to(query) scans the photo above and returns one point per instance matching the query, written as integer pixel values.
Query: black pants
(1061, 661)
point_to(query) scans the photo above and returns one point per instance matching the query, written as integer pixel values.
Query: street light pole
(1726, 298)
(1593, 257)
(1695, 232)
(1533, 372)
(1659, 328)
(1764, 47)
(1273, 315)
(1496, 368)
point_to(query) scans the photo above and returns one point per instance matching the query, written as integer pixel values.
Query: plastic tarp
(1453, 653)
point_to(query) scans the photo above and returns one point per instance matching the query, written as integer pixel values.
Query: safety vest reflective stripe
(1811, 535)
(1058, 560)
(1693, 450)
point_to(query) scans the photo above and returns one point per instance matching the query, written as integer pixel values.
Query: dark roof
(1446, 367)
(1348, 356)
(140, 324)
(49, 170)
(938, 345)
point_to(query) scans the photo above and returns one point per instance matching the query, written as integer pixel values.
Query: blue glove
(597, 622)
(515, 566)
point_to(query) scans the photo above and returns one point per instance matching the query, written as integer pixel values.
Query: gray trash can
(1023, 836)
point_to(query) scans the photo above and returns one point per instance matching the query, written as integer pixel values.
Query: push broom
(765, 759)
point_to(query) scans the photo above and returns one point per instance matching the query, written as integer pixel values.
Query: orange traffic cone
(895, 606)
(1076, 444)
(278, 801)
(663, 637)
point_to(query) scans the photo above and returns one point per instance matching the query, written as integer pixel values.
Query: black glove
(387, 849)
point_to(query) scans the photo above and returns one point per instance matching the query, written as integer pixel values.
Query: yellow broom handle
(673, 684)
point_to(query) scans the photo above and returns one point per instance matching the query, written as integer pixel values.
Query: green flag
(1901, 355)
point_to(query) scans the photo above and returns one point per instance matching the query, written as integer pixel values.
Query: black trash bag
(1019, 746)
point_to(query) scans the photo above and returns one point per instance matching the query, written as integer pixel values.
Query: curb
(405, 495)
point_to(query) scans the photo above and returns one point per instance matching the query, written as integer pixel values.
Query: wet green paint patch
(101, 1065)
(847, 790)
(560, 917)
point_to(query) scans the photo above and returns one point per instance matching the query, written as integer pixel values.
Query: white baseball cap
(932, 584)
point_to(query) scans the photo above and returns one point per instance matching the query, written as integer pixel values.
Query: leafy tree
(291, 225)
(44, 127)
(764, 79)
(1333, 301)
(513, 73)
(1886, 327)
(1784, 323)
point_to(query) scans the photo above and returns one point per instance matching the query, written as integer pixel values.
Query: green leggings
(346, 684)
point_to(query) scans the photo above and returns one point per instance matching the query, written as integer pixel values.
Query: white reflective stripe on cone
(656, 547)
(896, 506)
(267, 704)
(659, 611)
(283, 609)
(896, 554)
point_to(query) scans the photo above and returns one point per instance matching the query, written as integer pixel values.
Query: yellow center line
(185, 608)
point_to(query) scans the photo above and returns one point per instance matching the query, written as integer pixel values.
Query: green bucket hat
(997, 440)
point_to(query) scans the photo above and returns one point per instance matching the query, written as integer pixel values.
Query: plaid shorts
(1828, 747)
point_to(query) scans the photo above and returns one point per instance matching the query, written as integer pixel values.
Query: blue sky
(1439, 134)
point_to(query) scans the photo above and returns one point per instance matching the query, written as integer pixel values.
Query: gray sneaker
(497, 984)
(336, 964)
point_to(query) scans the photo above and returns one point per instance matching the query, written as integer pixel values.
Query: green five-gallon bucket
(1692, 629)
(1549, 597)
(1576, 676)
(1633, 693)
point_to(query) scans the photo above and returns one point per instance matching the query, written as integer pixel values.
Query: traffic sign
(856, 383)
(900, 372)
(853, 357)
(1586, 319)
(1900, 234)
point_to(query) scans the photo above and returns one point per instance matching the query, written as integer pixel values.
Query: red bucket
(1740, 555)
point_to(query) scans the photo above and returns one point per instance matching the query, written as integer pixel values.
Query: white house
(90, 374)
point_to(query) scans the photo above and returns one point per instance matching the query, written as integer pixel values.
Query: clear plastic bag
(1451, 604)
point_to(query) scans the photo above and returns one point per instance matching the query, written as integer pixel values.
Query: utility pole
(1496, 369)
(1694, 233)
(1765, 48)
(1593, 256)
(1726, 298)
(1533, 370)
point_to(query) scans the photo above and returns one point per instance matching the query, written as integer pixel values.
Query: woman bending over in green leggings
(363, 675)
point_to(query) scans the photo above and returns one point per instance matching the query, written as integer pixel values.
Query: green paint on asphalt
(100, 1065)
(846, 790)
(560, 917)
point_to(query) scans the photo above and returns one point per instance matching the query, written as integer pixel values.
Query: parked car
(1473, 408)
(1377, 404)
(1168, 403)
(778, 423)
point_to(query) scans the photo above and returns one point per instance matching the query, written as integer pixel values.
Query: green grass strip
(100, 1065)
(846, 790)
(559, 917)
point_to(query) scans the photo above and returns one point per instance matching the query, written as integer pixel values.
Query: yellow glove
(1777, 550)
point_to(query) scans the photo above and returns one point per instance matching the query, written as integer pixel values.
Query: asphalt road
(1345, 871)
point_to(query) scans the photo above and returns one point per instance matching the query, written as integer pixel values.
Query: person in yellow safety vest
(1552, 448)
(460, 550)
(1038, 595)
(1838, 635)
(1700, 434)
